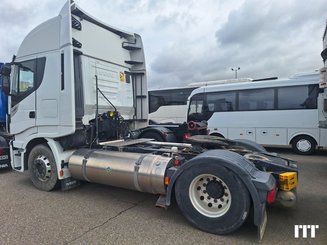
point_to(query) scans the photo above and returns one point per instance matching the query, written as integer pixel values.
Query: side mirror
(5, 83)
(5, 70)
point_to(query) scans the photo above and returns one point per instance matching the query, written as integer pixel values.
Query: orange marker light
(166, 180)
(61, 173)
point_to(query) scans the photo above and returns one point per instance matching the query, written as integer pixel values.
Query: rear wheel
(42, 168)
(304, 145)
(212, 198)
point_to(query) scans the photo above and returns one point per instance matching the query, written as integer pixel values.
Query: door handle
(31, 114)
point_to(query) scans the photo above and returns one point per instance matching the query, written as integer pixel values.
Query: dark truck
(4, 146)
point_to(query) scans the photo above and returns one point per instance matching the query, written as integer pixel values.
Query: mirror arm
(13, 59)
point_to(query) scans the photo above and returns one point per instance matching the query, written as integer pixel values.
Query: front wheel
(42, 168)
(212, 198)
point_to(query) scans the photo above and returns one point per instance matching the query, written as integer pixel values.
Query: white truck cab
(58, 71)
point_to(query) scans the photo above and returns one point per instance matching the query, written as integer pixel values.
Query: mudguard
(250, 145)
(166, 133)
(258, 183)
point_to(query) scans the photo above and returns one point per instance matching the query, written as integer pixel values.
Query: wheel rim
(209, 195)
(42, 168)
(303, 145)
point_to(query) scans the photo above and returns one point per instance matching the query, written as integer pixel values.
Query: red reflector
(176, 162)
(191, 125)
(272, 195)
(187, 135)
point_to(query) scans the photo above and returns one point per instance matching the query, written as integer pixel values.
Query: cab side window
(27, 78)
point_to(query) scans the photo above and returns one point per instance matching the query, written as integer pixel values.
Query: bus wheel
(304, 145)
(42, 168)
(212, 198)
(218, 135)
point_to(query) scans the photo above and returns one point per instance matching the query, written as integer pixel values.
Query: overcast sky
(190, 40)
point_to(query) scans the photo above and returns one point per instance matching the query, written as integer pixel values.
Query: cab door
(22, 104)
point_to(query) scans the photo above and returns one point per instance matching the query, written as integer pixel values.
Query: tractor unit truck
(78, 96)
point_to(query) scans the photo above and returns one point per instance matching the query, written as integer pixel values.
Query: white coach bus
(169, 105)
(277, 112)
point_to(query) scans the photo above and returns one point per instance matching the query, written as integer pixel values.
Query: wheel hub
(303, 145)
(215, 189)
(42, 168)
(210, 195)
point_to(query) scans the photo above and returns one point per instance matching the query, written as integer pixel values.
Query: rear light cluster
(272, 195)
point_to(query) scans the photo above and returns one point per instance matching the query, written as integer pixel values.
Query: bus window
(221, 101)
(298, 97)
(155, 102)
(256, 99)
(169, 97)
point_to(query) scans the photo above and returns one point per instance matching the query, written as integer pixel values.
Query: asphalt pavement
(98, 214)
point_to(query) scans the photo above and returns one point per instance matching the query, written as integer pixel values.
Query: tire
(42, 168)
(250, 145)
(304, 145)
(153, 135)
(212, 198)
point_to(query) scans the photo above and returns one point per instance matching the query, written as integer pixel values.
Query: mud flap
(263, 224)
(69, 183)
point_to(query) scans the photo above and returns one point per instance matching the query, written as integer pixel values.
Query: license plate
(4, 157)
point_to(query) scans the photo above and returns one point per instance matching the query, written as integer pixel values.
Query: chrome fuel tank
(136, 171)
